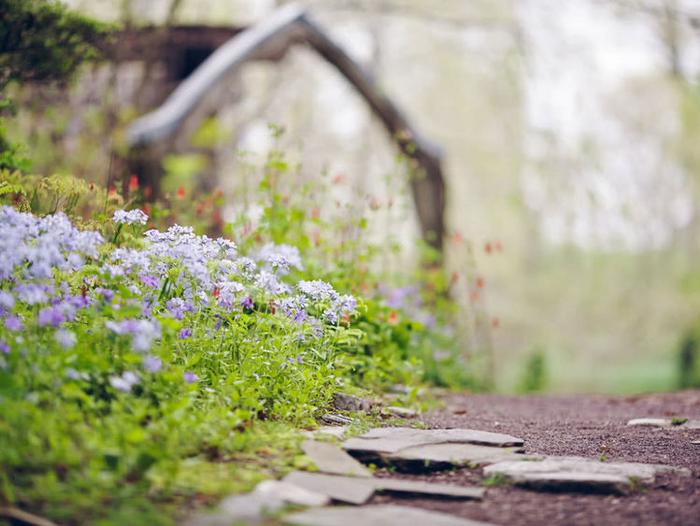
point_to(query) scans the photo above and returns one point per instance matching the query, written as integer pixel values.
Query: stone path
(483, 467)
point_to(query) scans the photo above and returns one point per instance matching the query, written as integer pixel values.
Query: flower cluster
(174, 283)
(33, 247)
(131, 217)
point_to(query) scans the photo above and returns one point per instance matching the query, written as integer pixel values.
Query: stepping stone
(329, 458)
(358, 490)
(334, 431)
(399, 412)
(347, 402)
(376, 516)
(578, 474)
(650, 422)
(268, 497)
(290, 493)
(457, 454)
(419, 487)
(395, 439)
(665, 422)
(338, 420)
(351, 490)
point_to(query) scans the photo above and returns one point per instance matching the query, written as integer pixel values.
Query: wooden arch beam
(268, 40)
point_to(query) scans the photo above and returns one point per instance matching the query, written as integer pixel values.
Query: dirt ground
(587, 426)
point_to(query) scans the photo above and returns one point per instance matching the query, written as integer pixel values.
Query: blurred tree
(40, 41)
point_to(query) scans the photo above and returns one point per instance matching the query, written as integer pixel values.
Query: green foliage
(689, 360)
(72, 446)
(41, 40)
(534, 377)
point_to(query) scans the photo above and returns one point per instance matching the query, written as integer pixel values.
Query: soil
(586, 426)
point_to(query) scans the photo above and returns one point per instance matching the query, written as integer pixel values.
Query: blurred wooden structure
(208, 57)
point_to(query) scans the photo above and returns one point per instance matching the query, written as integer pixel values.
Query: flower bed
(119, 362)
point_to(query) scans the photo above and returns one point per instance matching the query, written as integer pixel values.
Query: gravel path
(588, 426)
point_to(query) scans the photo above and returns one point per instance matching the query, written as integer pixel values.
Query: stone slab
(399, 412)
(351, 490)
(334, 431)
(664, 422)
(247, 508)
(376, 516)
(348, 402)
(358, 490)
(650, 422)
(458, 454)
(329, 458)
(268, 497)
(577, 474)
(419, 487)
(392, 439)
(332, 419)
(290, 493)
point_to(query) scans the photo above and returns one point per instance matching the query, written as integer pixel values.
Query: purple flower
(294, 308)
(4, 347)
(184, 333)
(269, 282)
(131, 217)
(299, 359)
(39, 245)
(150, 281)
(125, 381)
(190, 377)
(152, 364)
(317, 290)
(248, 303)
(13, 323)
(65, 339)
(142, 332)
(73, 374)
(178, 307)
(32, 294)
(107, 294)
(77, 301)
(330, 316)
(279, 258)
(7, 300)
(51, 316)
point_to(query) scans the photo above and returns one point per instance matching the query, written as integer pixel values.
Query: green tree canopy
(40, 41)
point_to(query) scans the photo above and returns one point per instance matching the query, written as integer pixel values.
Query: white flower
(131, 217)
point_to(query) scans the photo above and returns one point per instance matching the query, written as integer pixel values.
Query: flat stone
(376, 516)
(394, 439)
(332, 419)
(329, 458)
(334, 431)
(458, 454)
(268, 497)
(352, 490)
(290, 493)
(438, 436)
(399, 412)
(650, 422)
(247, 508)
(358, 490)
(691, 424)
(348, 402)
(419, 487)
(577, 474)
